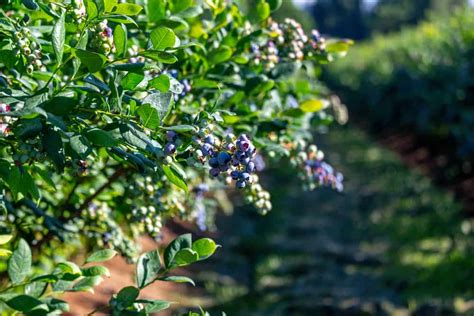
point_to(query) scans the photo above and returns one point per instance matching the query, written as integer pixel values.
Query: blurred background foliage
(397, 241)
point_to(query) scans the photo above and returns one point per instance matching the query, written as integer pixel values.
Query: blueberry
(243, 145)
(243, 137)
(245, 176)
(171, 136)
(250, 167)
(209, 139)
(239, 155)
(235, 162)
(207, 149)
(235, 174)
(245, 160)
(213, 162)
(214, 172)
(251, 149)
(170, 148)
(240, 184)
(223, 168)
(223, 158)
(173, 73)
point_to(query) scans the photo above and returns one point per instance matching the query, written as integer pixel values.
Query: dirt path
(121, 275)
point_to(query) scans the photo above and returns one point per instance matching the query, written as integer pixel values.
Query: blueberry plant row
(419, 79)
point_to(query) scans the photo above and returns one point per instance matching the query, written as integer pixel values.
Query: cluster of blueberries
(4, 108)
(103, 40)
(320, 173)
(236, 157)
(29, 48)
(324, 174)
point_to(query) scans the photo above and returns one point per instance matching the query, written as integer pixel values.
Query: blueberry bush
(420, 79)
(117, 116)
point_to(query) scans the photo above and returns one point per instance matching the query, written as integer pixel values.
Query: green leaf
(120, 39)
(23, 303)
(87, 284)
(263, 10)
(93, 61)
(53, 145)
(148, 268)
(160, 101)
(338, 46)
(178, 279)
(5, 252)
(60, 105)
(156, 10)
(156, 306)
(274, 4)
(180, 5)
(128, 9)
(175, 176)
(48, 278)
(69, 268)
(30, 4)
(80, 145)
(186, 256)
(312, 105)
(19, 264)
(162, 38)
(95, 271)
(127, 296)
(160, 56)
(100, 137)
(149, 116)
(101, 255)
(162, 83)
(181, 128)
(132, 80)
(57, 304)
(58, 38)
(176, 86)
(91, 9)
(5, 238)
(181, 242)
(220, 55)
(109, 5)
(205, 247)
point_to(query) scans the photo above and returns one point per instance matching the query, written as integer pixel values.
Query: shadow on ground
(392, 243)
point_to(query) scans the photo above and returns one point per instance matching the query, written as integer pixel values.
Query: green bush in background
(421, 79)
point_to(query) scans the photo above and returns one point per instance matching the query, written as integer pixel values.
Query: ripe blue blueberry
(213, 162)
(223, 158)
(207, 149)
(235, 174)
(214, 172)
